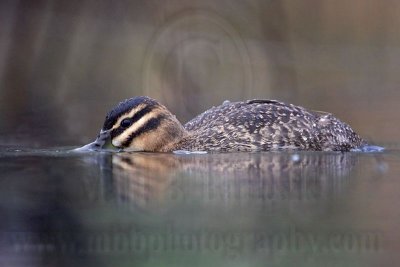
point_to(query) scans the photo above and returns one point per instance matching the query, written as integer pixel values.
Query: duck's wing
(231, 111)
(212, 115)
(257, 124)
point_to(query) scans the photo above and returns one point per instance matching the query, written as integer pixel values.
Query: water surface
(62, 208)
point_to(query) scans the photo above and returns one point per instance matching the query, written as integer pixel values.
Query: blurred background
(64, 64)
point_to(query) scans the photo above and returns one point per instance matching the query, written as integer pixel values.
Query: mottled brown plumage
(143, 124)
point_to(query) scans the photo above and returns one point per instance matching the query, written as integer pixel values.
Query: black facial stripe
(137, 116)
(150, 125)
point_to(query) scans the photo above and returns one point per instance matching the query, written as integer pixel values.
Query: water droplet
(295, 157)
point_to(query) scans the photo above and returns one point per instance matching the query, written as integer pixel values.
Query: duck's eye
(125, 123)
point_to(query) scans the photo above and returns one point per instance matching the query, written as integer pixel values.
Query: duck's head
(140, 124)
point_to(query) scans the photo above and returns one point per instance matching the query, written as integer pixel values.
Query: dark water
(60, 208)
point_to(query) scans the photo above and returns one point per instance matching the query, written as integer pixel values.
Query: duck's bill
(102, 143)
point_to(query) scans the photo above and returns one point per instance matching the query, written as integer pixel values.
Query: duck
(143, 124)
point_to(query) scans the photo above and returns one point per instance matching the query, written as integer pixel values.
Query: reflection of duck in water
(143, 124)
(142, 179)
(158, 180)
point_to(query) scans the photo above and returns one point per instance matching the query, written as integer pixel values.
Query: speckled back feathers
(263, 125)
